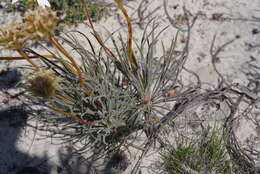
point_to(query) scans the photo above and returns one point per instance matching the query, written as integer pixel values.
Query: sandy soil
(239, 62)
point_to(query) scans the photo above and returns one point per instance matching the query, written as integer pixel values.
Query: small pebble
(255, 31)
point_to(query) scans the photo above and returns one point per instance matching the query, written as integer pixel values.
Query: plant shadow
(74, 163)
(9, 78)
(13, 160)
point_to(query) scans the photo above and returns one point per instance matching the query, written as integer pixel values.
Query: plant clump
(38, 24)
(204, 154)
(120, 92)
(44, 83)
(14, 36)
(72, 11)
(41, 23)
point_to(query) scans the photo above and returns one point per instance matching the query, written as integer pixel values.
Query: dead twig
(214, 57)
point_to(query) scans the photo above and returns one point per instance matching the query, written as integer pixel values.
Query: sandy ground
(239, 62)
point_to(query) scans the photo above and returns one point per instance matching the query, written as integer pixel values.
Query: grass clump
(206, 154)
(73, 11)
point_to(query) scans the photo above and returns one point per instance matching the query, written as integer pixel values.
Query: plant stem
(130, 34)
(21, 58)
(65, 53)
(24, 55)
(69, 114)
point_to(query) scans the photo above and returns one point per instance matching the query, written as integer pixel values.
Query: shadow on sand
(12, 160)
(13, 122)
